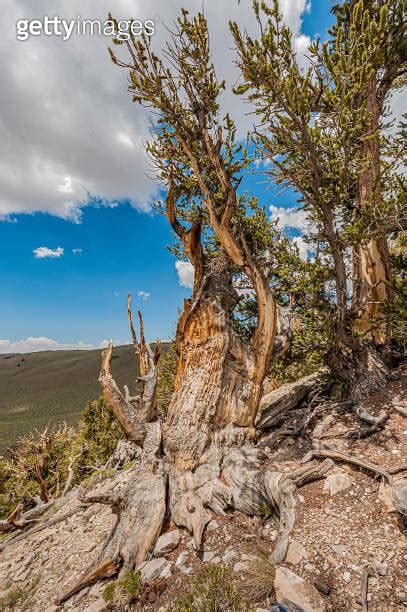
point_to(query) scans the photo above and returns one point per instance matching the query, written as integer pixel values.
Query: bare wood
(123, 410)
(105, 569)
(282, 399)
(40, 527)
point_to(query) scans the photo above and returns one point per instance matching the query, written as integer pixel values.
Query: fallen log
(286, 397)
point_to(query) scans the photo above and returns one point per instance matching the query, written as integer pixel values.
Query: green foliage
(396, 312)
(167, 370)
(108, 592)
(321, 128)
(124, 590)
(38, 466)
(97, 438)
(211, 591)
(13, 597)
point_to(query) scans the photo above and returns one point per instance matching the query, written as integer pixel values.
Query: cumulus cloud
(143, 295)
(42, 252)
(41, 343)
(185, 272)
(303, 247)
(77, 134)
(77, 251)
(289, 217)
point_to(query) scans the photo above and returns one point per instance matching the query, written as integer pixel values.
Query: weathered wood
(284, 398)
(123, 410)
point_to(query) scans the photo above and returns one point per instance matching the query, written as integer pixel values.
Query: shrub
(212, 591)
(97, 438)
(38, 466)
(258, 581)
(124, 590)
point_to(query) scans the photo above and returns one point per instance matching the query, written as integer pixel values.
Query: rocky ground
(345, 523)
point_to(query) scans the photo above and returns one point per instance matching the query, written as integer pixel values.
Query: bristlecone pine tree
(322, 130)
(202, 455)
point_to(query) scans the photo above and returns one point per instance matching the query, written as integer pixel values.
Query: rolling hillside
(53, 386)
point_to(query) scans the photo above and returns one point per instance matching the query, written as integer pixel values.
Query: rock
(208, 556)
(97, 606)
(239, 567)
(334, 483)
(296, 553)
(212, 525)
(228, 556)
(167, 542)
(155, 568)
(381, 568)
(216, 560)
(181, 558)
(323, 587)
(289, 586)
(339, 549)
(386, 498)
(346, 576)
(185, 570)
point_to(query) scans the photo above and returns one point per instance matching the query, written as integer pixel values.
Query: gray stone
(381, 568)
(212, 525)
(185, 570)
(346, 576)
(181, 558)
(208, 556)
(339, 549)
(334, 483)
(293, 588)
(240, 567)
(97, 606)
(386, 497)
(167, 542)
(154, 568)
(296, 553)
(228, 556)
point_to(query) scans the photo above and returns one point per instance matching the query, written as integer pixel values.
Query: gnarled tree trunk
(372, 259)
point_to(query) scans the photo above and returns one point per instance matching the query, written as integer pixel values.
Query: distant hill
(53, 386)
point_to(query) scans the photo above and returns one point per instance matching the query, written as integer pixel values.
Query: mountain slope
(53, 386)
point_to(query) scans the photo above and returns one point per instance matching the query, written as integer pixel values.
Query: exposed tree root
(365, 588)
(398, 486)
(40, 527)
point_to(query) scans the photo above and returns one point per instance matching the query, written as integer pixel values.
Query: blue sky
(78, 298)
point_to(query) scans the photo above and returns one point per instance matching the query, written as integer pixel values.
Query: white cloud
(78, 133)
(41, 343)
(144, 295)
(289, 217)
(77, 251)
(185, 272)
(41, 252)
(303, 247)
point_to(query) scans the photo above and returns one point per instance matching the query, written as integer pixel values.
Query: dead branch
(123, 410)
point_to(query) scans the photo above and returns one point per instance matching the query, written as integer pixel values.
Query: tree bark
(372, 259)
(218, 386)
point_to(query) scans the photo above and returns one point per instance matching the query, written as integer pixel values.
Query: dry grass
(258, 580)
